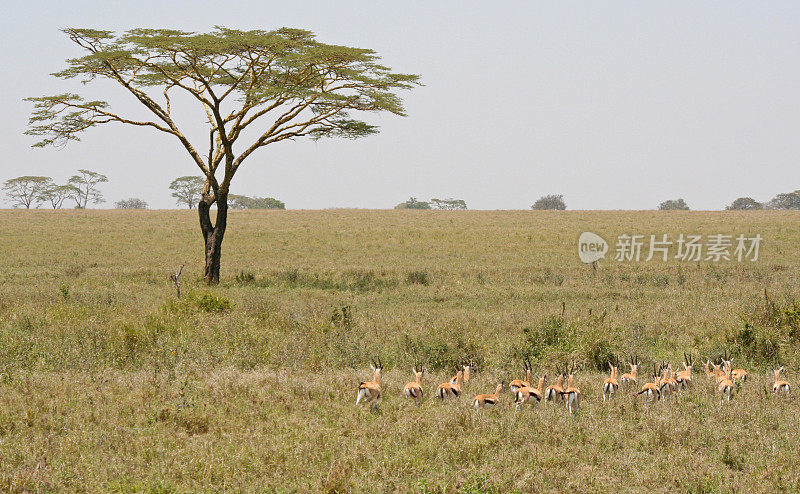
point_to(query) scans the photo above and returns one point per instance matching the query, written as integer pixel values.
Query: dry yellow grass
(107, 383)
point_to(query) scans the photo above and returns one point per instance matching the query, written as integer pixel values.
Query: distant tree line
(81, 188)
(785, 201)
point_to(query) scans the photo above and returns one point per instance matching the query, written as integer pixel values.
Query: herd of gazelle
(665, 383)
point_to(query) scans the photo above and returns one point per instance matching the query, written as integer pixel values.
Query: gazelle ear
(782, 368)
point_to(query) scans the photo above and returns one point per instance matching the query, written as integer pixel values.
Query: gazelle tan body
(465, 373)
(451, 389)
(630, 379)
(725, 385)
(370, 391)
(611, 384)
(780, 385)
(530, 395)
(651, 392)
(414, 389)
(684, 377)
(521, 383)
(572, 395)
(553, 392)
(669, 386)
(483, 401)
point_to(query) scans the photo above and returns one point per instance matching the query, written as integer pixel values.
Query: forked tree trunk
(213, 233)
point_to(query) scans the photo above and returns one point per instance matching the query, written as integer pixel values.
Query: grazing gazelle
(572, 395)
(521, 383)
(652, 390)
(610, 385)
(483, 401)
(780, 386)
(370, 391)
(530, 395)
(553, 392)
(413, 389)
(684, 377)
(451, 389)
(630, 378)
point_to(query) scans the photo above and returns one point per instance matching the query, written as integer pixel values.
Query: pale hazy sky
(616, 105)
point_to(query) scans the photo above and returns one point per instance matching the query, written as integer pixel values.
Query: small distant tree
(451, 204)
(56, 194)
(27, 190)
(744, 204)
(673, 204)
(187, 190)
(789, 200)
(132, 203)
(85, 187)
(236, 201)
(413, 203)
(552, 201)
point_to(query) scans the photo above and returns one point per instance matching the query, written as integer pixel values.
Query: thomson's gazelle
(530, 395)
(630, 378)
(370, 391)
(780, 386)
(610, 385)
(553, 392)
(521, 383)
(450, 388)
(572, 395)
(483, 401)
(413, 389)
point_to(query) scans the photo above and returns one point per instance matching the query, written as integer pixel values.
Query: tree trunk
(213, 235)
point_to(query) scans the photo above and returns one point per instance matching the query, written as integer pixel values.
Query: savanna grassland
(109, 383)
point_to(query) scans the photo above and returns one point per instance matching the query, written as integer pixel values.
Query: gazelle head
(466, 372)
(528, 370)
(777, 373)
(377, 367)
(541, 383)
(459, 378)
(419, 371)
(726, 361)
(687, 362)
(499, 389)
(633, 363)
(571, 376)
(717, 369)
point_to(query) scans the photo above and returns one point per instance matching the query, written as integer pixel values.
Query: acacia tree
(263, 86)
(56, 194)
(187, 189)
(84, 188)
(24, 191)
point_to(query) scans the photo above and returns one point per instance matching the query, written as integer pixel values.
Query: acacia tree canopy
(24, 191)
(84, 187)
(276, 85)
